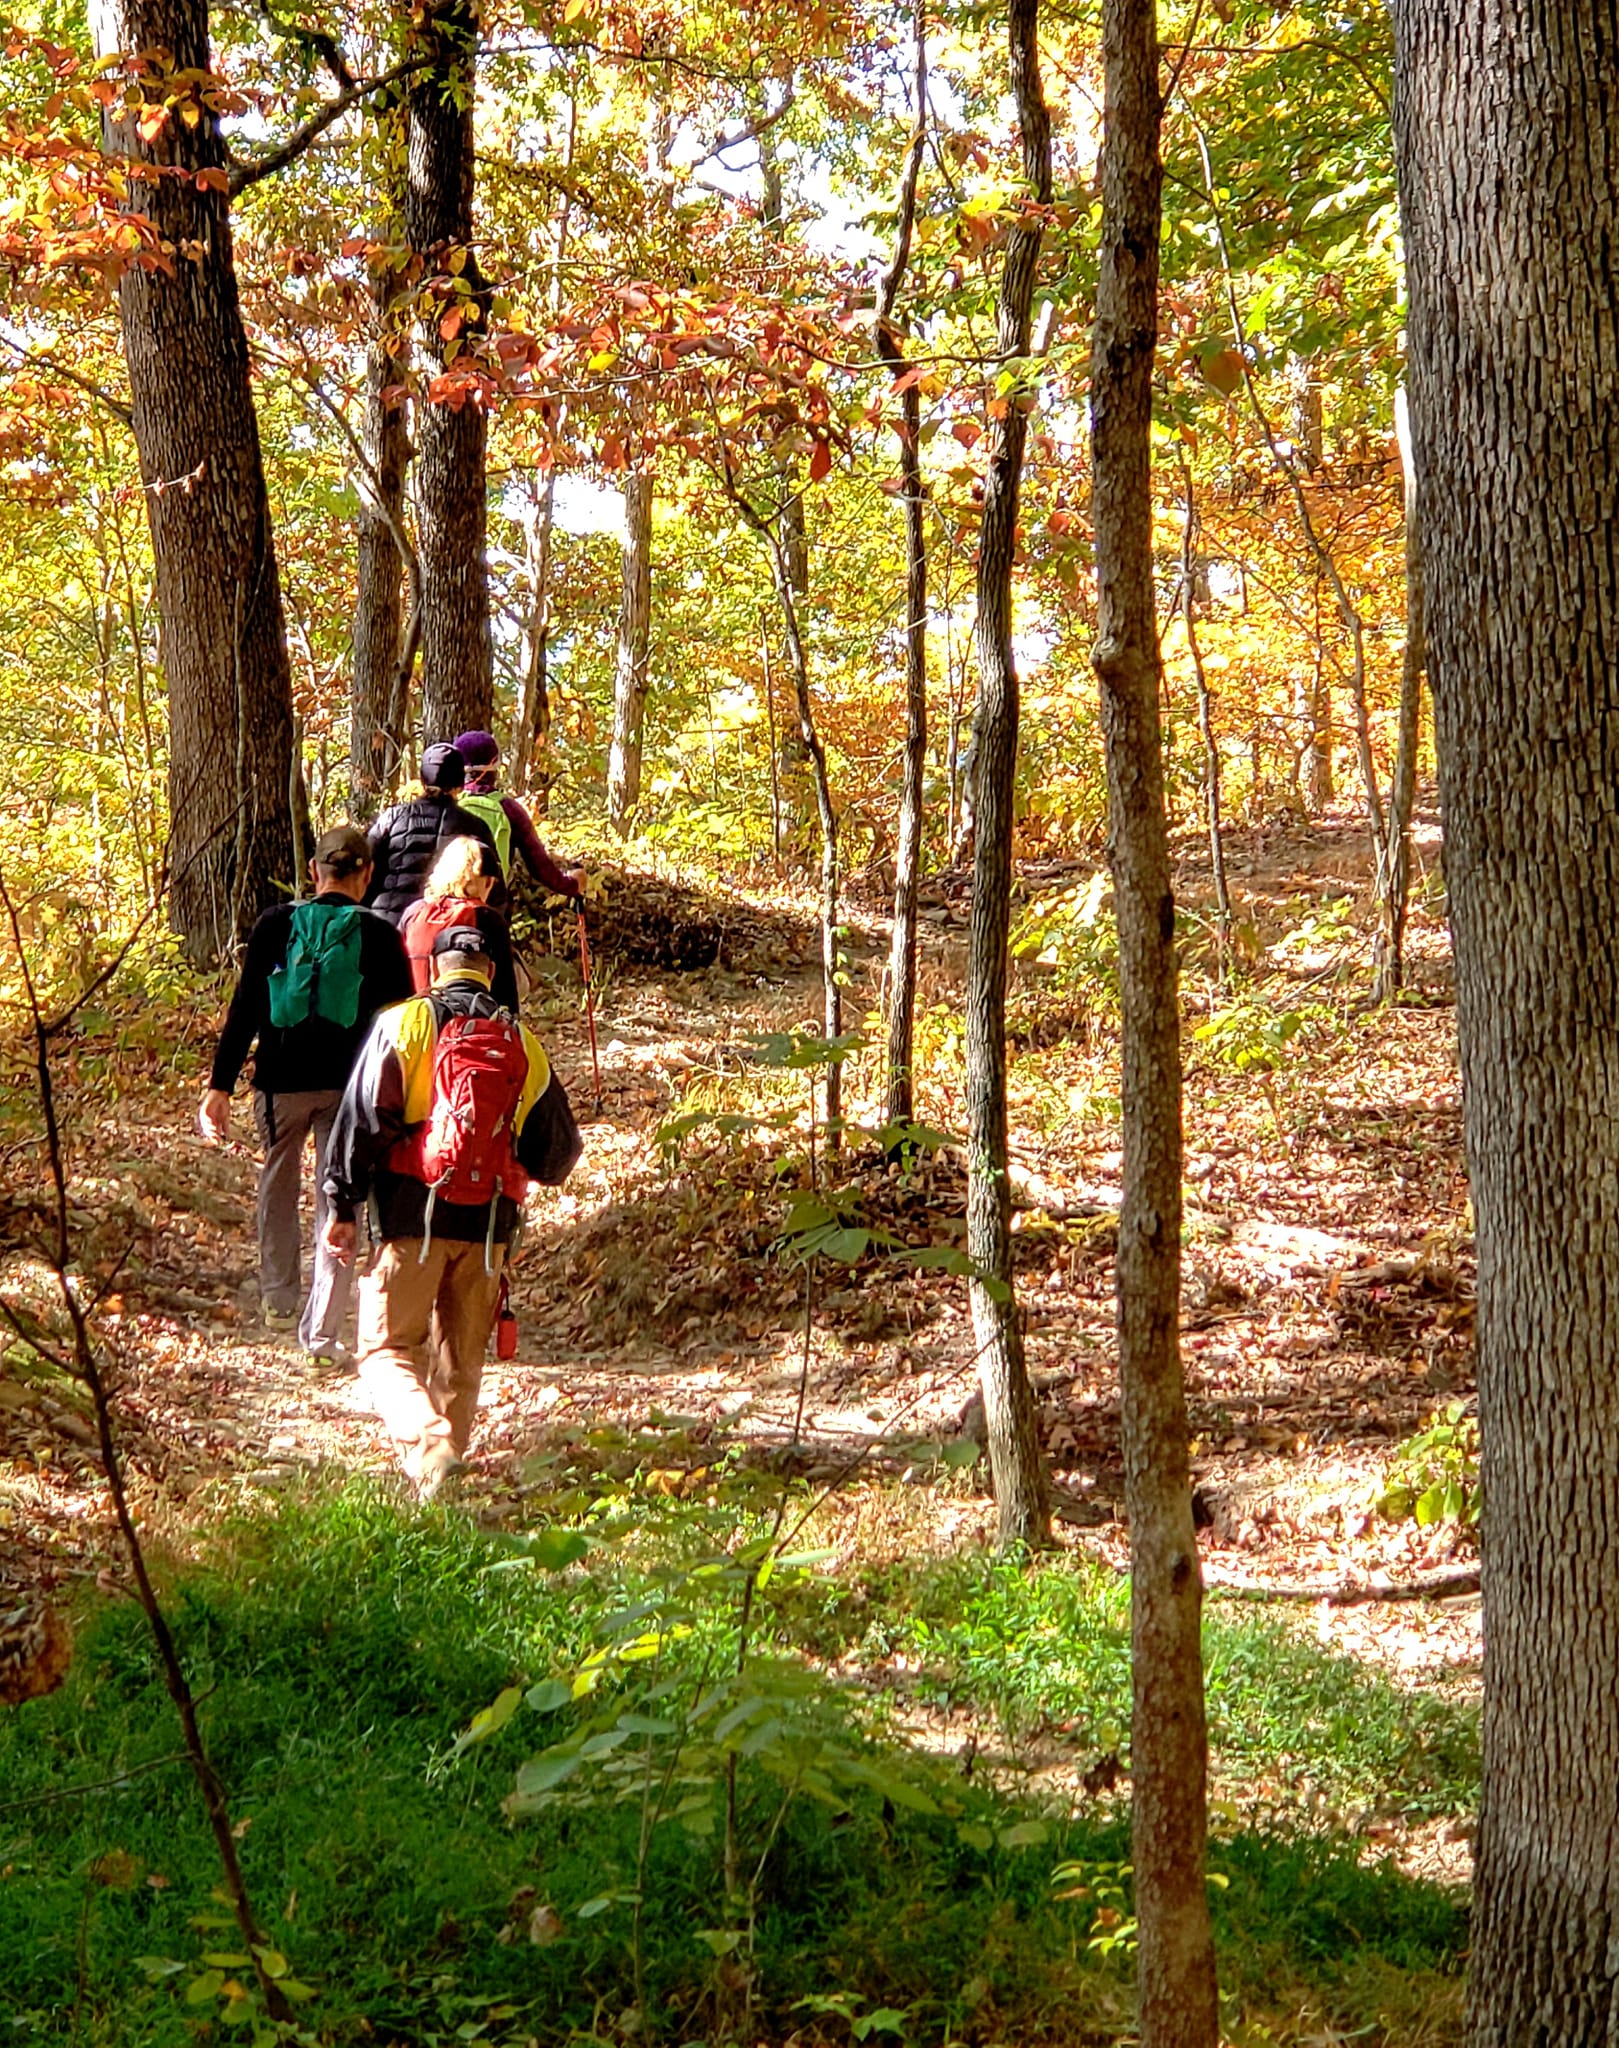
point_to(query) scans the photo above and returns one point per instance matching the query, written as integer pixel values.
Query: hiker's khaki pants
(285, 1122)
(424, 1327)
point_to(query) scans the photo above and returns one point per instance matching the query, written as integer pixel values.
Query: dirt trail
(1328, 1277)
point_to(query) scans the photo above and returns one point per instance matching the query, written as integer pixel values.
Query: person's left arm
(549, 873)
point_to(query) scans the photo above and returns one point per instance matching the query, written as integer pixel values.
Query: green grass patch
(340, 1646)
(1044, 1647)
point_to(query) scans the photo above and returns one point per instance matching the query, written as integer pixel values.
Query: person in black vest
(314, 976)
(406, 839)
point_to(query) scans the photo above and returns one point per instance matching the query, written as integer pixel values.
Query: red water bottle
(505, 1326)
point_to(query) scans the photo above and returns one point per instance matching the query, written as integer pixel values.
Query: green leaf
(722, 1941)
(488, 1720)
(605, 1743)
(975, 1836)
(593, 1908)
(887, 2019)
(548, 1695)
(551, 1768)
(748, 1710)
(275, 1963)
(962, 1453)
(1430, 1505)
(552, 1549)
(201, 1989)
(1023, 1834)
(159, 1967)
(226, 1959)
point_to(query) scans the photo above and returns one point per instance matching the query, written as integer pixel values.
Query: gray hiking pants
(284, 1123)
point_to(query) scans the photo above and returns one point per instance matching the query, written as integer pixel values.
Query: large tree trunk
(451, 429)
(378, 692)
(218, 591)
(1009, 1411)
(908, 847)
(1168, 1737)
(634, 647)
(1504, 118)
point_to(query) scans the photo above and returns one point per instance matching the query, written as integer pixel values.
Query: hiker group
(382, 1015)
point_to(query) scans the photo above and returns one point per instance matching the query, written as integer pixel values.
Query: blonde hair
(458, 867)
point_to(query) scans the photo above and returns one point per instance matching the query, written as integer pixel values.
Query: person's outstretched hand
(576, 884)
(338, 1239)
(213, 1119)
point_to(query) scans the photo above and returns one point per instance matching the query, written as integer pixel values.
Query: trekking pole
(590, 1004)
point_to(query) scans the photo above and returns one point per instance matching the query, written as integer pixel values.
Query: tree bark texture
(634, 649)
(1178, 2006)
(451, 428)
(908, 845)
(379, 692)
(1009, 1408)
(1509, 186)
(218, 590)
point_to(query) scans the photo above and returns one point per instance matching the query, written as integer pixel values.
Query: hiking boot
(330, 1357)
(279, 1318)
(439, 1472)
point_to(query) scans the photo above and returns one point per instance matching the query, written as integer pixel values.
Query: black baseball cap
(465, 939)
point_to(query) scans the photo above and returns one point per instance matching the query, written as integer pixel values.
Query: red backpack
(464, 1151)
(423, 923)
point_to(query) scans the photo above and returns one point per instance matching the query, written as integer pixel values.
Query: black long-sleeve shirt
(315, 1054)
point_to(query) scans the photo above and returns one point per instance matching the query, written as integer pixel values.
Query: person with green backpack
(509, 824)
(313, 977)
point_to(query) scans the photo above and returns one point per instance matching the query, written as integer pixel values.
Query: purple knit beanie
(478, 749)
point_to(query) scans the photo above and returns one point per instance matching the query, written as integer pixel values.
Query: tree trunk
(1504, 119)
(218, 591)
(530, 756)
(451, 428)
(634, 645)
(1009, 1411)
(908, 846)
(1394, 877)
(376, 735)
(1178, 2007)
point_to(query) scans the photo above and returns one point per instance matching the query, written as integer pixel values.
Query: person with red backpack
(314, 975)
(451, 1112)
(457, 892)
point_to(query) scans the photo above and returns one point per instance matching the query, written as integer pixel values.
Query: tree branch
(116, 407)
(245, 174)
(87, 1369)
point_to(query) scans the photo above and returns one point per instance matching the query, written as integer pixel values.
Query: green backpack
(488, 806)
(320, 976)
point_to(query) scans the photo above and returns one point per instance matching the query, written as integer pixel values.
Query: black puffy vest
(405, 842)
